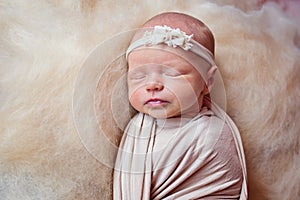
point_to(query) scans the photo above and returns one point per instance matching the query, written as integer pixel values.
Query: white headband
(173, 38)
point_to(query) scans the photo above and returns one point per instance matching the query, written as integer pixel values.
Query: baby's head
(171, 67)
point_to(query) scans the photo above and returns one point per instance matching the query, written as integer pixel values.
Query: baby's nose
(154, 86)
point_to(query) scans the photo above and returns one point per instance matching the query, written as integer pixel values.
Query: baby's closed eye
(136, 75)
(172, 73)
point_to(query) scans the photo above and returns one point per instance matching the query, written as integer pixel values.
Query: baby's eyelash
(172, 73)
(137, 76)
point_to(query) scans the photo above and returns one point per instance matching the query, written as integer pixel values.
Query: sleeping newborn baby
(180, 144)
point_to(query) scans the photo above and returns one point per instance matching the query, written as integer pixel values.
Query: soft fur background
(44, 43)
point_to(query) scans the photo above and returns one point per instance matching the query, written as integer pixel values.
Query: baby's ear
(210, 77)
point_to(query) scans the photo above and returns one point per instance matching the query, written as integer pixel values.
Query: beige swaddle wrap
(202, 158)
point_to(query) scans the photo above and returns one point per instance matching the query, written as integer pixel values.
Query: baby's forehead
(160, 55)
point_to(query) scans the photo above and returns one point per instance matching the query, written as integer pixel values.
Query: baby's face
(163, 84)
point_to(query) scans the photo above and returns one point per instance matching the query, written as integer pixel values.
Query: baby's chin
(169, 112)
(160, 114)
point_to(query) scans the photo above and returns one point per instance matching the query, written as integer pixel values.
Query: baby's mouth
(155, 102)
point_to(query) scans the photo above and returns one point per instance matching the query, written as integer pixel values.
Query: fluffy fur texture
(44, 43)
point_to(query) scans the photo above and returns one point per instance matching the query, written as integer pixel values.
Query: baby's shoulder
(212, 130)
(212, 124)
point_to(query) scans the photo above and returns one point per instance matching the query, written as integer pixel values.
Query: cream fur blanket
(44, 43)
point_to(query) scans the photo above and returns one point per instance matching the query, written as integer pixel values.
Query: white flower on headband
(167, 35)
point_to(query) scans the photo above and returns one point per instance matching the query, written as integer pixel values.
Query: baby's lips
(155, 101)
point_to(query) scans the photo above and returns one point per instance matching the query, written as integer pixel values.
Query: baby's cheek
(185, 95)
(135, 99)
(132, 91)
(182, 89)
